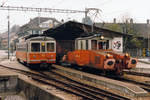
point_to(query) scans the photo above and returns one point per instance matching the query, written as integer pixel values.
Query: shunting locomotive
(93, 51)
(36, 49)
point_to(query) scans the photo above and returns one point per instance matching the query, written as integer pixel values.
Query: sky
(109, 9)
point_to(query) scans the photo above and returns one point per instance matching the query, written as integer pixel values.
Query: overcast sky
(139, 10)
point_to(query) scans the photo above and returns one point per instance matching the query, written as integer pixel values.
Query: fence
(139, 53)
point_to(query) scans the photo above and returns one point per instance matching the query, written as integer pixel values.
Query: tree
(131, 41)
(115, 27)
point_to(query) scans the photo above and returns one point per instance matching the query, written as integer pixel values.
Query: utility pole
(95, 13)
(8, 35)
(39, 22)
(148, 41)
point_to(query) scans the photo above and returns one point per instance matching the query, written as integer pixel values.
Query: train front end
(42, 50)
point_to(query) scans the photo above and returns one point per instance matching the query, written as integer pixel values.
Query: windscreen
(35, 47)
(50, 47)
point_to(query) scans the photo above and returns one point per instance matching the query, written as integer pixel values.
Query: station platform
(31, 90)
(129, 89)
(145, 60)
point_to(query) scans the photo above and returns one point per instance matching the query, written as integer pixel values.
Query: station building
(66, 33)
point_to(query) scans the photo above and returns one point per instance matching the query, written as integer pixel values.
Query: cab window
(50, 47)
(35, 47)
(94, 44)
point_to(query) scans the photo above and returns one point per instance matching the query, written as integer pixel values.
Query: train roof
(72, 30)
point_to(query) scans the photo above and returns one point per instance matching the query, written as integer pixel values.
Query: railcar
(95, 52)
(36, 49)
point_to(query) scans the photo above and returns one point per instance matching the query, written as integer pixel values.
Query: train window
(87, 45)
(107, 44)
(100, 45)
(50, 47)
(94, 44)
(21, 47)
(81, 45)
(43, 47)
(35, 47)
(76, 45)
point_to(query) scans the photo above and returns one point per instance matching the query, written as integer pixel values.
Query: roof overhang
(72, 30)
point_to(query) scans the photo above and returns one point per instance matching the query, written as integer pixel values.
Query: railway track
(143, 85)
(70, 86)
(137, 73)
(85, 87)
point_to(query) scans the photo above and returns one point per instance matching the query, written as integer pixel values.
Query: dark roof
(33, 35)
(71, 30)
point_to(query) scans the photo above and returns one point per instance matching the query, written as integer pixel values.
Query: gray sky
(136, 9)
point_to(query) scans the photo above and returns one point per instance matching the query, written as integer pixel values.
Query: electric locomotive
(87, 54)
(36, 49)
(94, 51)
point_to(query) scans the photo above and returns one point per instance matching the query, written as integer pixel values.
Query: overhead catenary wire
(12, 8)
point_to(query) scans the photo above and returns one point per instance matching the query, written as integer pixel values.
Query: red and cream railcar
(37, 50)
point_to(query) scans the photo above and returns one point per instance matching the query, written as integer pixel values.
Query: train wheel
(121, 73)
(49, 66)
(18, 60)
(43, 65)
(104, 73)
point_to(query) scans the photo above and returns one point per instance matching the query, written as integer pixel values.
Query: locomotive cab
(92, 43)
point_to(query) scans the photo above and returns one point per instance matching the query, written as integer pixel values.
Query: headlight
(108, 55)
(126, 55)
